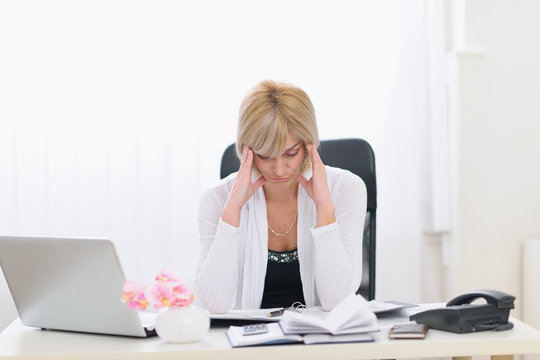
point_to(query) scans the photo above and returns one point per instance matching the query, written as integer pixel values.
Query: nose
(280, 166)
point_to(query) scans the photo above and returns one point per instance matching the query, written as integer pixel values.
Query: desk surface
(19, 341)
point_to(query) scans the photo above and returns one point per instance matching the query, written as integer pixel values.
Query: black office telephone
(461, 316)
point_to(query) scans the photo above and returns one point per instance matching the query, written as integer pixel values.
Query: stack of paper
(275, 335)
(248, 315)
(352, 315)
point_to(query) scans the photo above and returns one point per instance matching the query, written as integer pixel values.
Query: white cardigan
(232, 264)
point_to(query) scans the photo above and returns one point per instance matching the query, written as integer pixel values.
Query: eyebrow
(292, 147)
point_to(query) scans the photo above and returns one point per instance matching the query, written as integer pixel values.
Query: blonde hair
(269, 112)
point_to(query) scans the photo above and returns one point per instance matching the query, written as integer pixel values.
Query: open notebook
(275, 335)
(351, 316)
(350, 321)
(70, 284)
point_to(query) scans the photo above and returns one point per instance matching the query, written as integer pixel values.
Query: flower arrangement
(169, 291)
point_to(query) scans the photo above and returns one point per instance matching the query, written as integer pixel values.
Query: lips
(279, 179)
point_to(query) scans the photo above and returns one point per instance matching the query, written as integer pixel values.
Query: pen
(275, 313)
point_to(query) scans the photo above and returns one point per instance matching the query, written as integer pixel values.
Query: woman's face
(282, 170)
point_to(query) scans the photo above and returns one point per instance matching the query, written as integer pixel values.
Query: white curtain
(114, 114)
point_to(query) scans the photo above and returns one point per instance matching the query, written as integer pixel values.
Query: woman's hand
(242, 190)
(317, 188)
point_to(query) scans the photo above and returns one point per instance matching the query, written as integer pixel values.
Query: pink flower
(181, 288)
(134, 295)
(183, 299)
(169, 291)
(162, 295)
(139, 303)
(166, 275)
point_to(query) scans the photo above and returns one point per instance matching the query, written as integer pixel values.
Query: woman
(285, 227)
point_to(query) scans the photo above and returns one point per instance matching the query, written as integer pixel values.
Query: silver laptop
(69, 284)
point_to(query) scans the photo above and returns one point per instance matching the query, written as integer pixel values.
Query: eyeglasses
(299, 307)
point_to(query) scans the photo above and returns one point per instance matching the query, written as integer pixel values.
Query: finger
(249, 159)
(255, 186)
(315, 153)
(246, 166)
(309, 150)
(245, 157)
(244, 153)
(302, 180)
(260, 182)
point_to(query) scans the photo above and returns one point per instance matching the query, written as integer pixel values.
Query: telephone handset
(462, 316)
(498, 298)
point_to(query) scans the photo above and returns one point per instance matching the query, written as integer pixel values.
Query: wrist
(231, 214)
(325, 215)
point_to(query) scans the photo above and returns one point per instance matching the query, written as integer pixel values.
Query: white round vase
(183, 324)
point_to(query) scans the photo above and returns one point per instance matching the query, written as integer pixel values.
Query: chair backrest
(355, 155)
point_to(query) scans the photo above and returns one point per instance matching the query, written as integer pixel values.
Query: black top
(282, 285)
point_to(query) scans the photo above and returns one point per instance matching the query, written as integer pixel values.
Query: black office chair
(357, 156)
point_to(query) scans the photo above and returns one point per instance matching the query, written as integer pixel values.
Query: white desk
(18, 341)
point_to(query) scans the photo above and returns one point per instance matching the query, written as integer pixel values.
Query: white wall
(114, 114)
(495, 123)
(494, 118)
